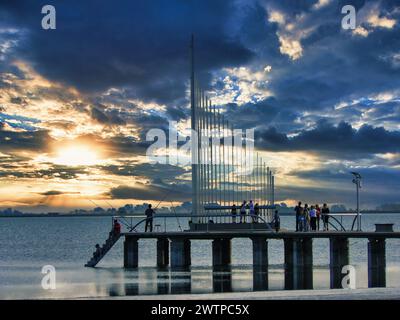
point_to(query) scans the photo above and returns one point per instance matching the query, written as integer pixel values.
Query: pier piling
(162, 252)
(260, 253)
(180, 253)
(260, 263)
(376, 262)
(131, 252)
(298, 263)
(221, 253)
(339, 257)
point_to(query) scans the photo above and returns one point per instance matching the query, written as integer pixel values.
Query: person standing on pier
(251, 209)
(313, 218)
(276, 221)
(243, 212)
(306, 218)
(325, 216)
(318, 215)
(256, 213)
(116, 228)
(149, 220)
(233, 213)
(299, 213)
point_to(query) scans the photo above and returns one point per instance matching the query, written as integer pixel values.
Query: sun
(77, 155)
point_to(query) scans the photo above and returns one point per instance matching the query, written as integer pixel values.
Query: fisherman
(234, 213)
(243, 212)
(149, 220)
(116, 230)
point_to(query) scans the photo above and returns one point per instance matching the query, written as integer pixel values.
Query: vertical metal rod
(212, 152)
(209, 154)
(193, 126)
(220, 158)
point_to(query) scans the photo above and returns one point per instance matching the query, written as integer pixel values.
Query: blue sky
(323, 100)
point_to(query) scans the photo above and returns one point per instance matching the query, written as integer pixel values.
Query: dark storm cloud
(24, 140)
(56, 193)
(53, 172)
(140, 191)
(109, 118)
(153, 171)
(377, 181)
(342, 140)
(99, 44)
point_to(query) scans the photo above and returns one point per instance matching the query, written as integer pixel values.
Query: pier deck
(195, 235)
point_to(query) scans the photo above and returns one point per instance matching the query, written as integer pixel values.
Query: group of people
(249, 208)
(245, 209)
(309, 217)
(114, 233)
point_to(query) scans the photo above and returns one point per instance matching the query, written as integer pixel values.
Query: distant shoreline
(58, 215)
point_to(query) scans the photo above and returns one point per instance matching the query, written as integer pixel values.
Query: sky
(76, 102)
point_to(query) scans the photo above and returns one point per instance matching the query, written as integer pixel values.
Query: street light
(357, 182)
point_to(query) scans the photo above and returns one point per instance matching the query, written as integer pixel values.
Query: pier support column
(298, 263)
(339, 257)
(260, 263)
(162, 252)
(260, 253)
(377, 263)
(131, 252)
(221, 253)
(180, 253)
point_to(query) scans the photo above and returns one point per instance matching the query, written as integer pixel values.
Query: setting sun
(78, 155)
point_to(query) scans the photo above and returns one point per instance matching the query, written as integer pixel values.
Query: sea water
(66, 243)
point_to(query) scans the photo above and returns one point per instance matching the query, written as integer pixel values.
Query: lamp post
(357, 182)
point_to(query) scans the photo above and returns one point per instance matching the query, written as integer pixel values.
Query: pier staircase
(103, 250)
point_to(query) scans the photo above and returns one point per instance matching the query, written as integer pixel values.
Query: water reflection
(222, 279)
(181, 282)
(260, 279)
(156, 281)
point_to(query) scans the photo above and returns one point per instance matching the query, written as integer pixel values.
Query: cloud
(154, 66)
(151, 192)
(342, 141)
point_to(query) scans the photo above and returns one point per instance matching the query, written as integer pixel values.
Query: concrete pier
(162, 252)
(180, 253)
(131, 252)
(376, 262)
(298, 263)
(339, 257)
(298, 254)
(221, 253)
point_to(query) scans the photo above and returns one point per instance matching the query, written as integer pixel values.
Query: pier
(230, 173)
(174, 250)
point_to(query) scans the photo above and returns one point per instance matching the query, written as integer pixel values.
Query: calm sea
(27, 244)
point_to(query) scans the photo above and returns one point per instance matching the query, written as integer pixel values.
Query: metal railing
(216, 218)
(340, 222)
